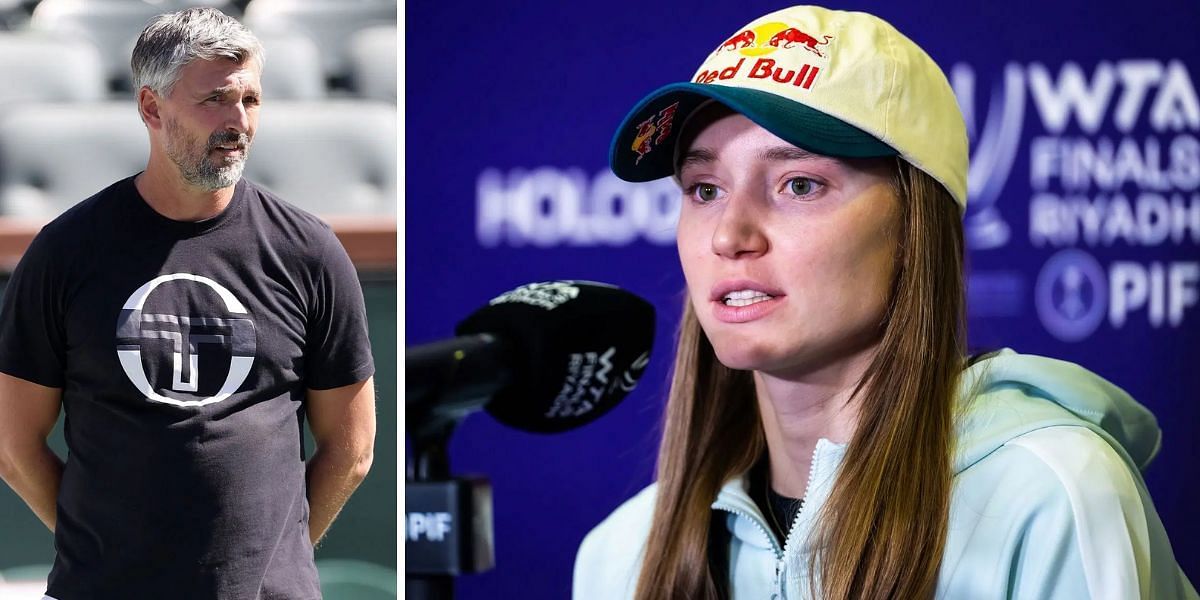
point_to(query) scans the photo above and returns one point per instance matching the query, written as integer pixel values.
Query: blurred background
(1083, 225)
(326, 142)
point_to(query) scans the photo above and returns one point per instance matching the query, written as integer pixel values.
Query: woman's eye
(703, 192)
(801, 186)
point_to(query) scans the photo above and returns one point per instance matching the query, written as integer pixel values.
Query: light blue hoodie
(1048, 501)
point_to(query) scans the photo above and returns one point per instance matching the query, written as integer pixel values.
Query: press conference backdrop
(1083, 226)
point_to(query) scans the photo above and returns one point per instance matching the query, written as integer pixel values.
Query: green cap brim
(655, 128)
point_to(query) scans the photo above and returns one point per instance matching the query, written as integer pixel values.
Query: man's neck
(170, 196)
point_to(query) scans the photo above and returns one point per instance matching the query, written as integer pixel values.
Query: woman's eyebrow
(696, 156)
(789, 153)
(699, 156)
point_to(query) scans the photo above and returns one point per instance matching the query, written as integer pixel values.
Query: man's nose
(239, 118)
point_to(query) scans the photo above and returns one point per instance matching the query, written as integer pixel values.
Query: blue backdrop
(1084, 224)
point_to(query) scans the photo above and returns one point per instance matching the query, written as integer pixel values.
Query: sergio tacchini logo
(188, 334)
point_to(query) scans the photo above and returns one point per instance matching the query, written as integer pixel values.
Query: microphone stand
(430, 465)
(445, 382)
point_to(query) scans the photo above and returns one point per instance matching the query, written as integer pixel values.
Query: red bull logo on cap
(659, 123)
(770, 37)
(744, 39)
(791, 36)
(764, 39)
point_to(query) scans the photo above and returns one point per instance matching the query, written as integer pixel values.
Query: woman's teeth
(745, 298)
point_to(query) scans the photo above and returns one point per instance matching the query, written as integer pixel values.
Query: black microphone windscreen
(578, 348)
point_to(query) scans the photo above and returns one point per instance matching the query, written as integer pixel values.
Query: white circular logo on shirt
(187, 334)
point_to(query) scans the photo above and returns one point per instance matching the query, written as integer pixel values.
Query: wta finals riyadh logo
(139, 332)
(995, 146)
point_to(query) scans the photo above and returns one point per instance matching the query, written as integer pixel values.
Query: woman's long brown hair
(883, 530)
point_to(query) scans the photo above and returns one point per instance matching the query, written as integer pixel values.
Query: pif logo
(770, 37)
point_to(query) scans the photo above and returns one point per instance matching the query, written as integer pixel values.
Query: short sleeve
(32, 335)
(337, 349)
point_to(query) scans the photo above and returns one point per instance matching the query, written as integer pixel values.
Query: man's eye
(706, 192)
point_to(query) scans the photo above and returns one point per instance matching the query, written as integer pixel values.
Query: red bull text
(764, 68)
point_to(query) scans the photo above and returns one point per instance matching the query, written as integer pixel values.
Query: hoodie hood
(1008, 394)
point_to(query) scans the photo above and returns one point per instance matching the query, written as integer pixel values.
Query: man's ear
(148, 106)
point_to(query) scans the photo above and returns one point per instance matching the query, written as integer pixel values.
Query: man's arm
(342, 421)
(28, 412)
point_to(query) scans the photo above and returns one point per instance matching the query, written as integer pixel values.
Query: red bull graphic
(779, 37)
(661, 124)
(641, 141)
(745, 38)
(791, 36)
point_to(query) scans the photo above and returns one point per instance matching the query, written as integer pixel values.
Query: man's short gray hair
(171, 41)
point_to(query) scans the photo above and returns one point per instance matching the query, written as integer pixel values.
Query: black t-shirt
(780, 511)
(184, 351)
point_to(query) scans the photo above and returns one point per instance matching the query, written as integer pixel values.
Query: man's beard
(192, 157)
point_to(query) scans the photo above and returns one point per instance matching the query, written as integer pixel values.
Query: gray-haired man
(188, 322)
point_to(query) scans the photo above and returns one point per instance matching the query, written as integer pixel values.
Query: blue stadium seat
(54, 155)
(335, 158)
(329, 23)
(373, 63)
(49, 69)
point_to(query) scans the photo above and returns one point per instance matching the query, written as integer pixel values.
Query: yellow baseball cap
(837, 83)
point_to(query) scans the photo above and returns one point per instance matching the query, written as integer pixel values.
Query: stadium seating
(45, 68)
(225, 6)
(292, 70)
(329, 23)
(11, 14)
(373, 63)
(52, 156)
(71, 126)
(335, 157)
(112, 26)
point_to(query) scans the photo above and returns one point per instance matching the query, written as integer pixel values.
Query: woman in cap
(824, 434)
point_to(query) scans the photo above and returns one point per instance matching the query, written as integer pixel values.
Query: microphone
(544, 357)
